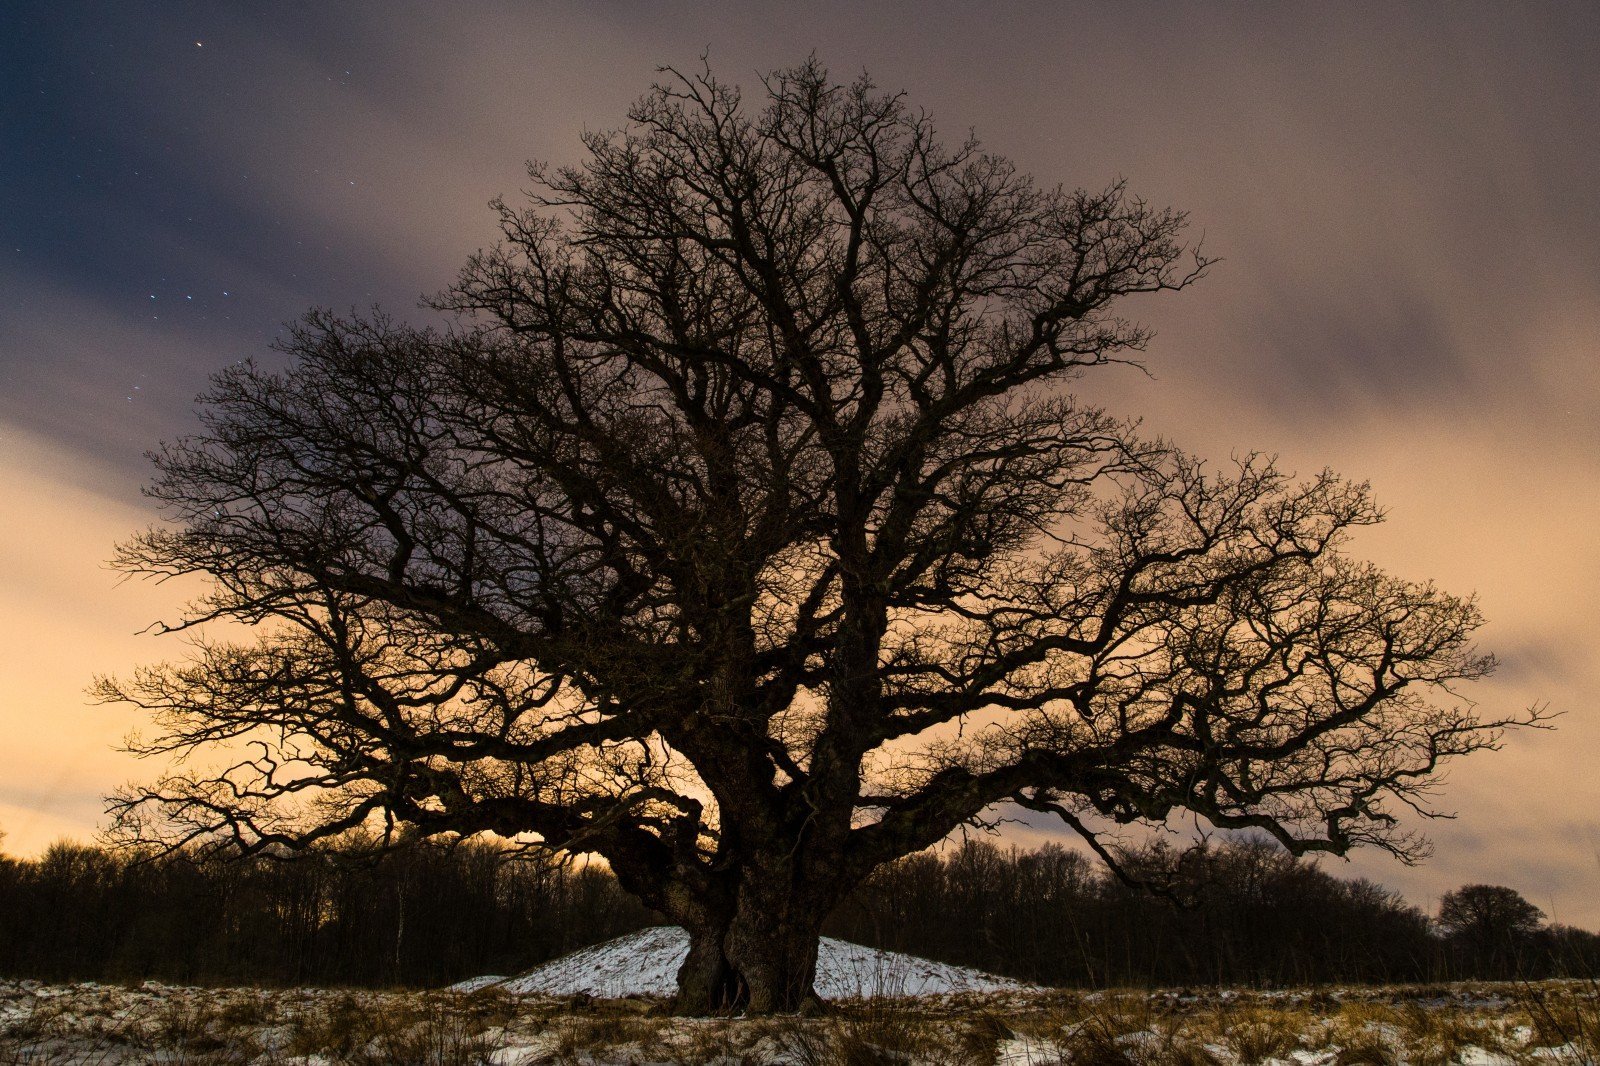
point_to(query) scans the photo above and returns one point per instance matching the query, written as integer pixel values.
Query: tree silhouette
(741, 529)
(1489, 924)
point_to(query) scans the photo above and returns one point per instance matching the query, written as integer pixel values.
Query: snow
(1026, 1051)
(646, 964)
(1477, 1056)
(124, 1025)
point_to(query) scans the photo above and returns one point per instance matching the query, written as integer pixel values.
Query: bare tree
(741, 530)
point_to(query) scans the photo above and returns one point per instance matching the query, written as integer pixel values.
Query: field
(1475, 1025)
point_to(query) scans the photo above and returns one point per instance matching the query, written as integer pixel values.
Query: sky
(1402, 197)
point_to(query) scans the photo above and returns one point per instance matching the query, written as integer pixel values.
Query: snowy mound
(646, 964)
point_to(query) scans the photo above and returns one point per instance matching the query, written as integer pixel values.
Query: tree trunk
(707, 984)
(773, 939)
(759, 956)
(774, 955)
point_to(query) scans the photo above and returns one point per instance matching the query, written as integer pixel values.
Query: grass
(1544, 1024)
(1564, 1015)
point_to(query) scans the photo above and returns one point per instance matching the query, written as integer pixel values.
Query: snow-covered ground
(1540, 1024)
(646, 964)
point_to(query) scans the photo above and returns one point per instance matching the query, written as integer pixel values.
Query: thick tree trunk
(707, 984)
(775, 958)
(760, 956)
(755, 968)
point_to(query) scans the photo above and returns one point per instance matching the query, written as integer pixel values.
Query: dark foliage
(1252, 915)
(1488, 926)
(428, 915)
(419, 916)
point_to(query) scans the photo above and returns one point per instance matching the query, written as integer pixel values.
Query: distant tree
(1569, 952)
(1474, 910)
(1491, 925)
(743, 532)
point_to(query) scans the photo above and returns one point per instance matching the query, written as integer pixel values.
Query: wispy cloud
(1403, 197)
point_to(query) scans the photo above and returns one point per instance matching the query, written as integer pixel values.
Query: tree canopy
(740, 527)
(1489, 926)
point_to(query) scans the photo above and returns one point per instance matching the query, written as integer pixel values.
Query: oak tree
(739, 526)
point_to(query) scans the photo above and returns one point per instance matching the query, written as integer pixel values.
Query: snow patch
(646, 964)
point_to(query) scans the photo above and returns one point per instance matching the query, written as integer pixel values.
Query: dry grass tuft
(1367, 1047)
(1564, 1017)
(582, 1034)
(1442, 1037)
(1257, 1034)
(447, 1042)
(881, 1033)
(335, 1029)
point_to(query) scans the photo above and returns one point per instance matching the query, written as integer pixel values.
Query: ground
(1539, 1024)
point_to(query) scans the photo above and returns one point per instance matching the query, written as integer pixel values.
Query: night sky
(1405, 200)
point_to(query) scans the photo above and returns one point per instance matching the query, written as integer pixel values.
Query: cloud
(1410, 291)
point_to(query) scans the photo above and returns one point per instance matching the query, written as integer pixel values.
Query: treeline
(421, 916)
(1250, 914)
(428, 915)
